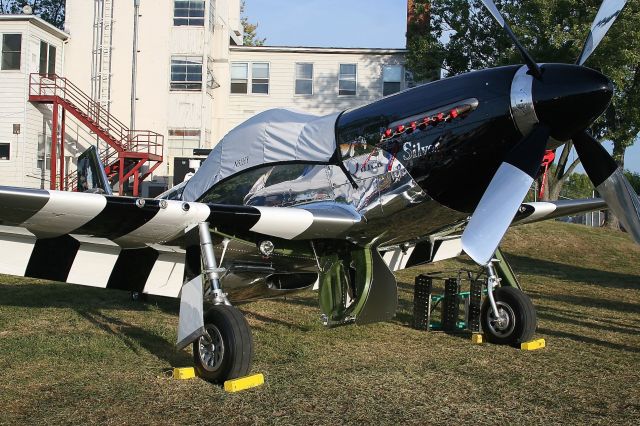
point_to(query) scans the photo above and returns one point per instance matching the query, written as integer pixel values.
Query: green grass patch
(77, 355)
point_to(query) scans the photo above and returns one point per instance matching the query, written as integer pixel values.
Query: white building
(180, 46)
(195, 80)
(29, 45)
(316, 80)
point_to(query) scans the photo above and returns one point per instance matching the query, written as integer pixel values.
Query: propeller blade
(609, 11)
(610, 182)
(531, 64)
(503, 196)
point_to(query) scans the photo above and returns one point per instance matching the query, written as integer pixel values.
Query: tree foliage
(250, 30)
(51, 11)
(463, 36)
(577, 185)
(634, 180)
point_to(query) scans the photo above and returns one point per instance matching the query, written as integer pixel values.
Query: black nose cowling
(569, 98)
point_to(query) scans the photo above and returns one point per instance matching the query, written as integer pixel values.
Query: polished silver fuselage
(411, 185)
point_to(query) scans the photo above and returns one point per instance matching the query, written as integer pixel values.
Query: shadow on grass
(266, 319)
(548, 314)
(311, 302)
(590, 340)
(589, 316)
(589, 302)
(130, 334)
(562, 271)
(62, 295)
(89, 302)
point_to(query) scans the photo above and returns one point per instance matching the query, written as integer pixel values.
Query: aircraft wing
(133, 243)
(450, 245)
(137, 222)
(544, 210)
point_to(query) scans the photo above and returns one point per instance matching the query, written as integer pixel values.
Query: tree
(250, 36)
(577, 185)
(51, 11)
(634, 180)
(420, 39)
(463, 36)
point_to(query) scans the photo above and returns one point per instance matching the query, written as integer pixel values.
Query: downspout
(134, 65)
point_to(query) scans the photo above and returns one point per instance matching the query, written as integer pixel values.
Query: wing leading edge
(544, 210)
(132, 243)
(138, 222)
(450, 246)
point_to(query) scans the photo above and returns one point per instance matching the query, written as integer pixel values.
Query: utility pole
(134, 63)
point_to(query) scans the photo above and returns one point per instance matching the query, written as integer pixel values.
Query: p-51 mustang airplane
(288, 200)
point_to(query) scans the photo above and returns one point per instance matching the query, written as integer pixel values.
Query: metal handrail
(120, 137)
(125, 138)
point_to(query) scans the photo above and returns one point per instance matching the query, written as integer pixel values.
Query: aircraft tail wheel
(227, 351)
(517, 320)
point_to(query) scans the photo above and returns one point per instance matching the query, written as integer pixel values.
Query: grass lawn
(77, 355)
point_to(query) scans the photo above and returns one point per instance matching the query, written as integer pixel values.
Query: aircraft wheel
(518, 317)
(228, 350)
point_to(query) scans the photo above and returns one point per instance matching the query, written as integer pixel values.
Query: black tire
(229, 354)
(521, 316)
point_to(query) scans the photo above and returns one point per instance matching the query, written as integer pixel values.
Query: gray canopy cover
(273, 136)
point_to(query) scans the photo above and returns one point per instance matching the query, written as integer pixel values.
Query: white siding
(158, 108)
(21, 169)
(325, 98)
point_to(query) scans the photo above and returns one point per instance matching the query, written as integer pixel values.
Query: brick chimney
(417, 18)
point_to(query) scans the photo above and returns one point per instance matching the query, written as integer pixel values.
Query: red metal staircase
(128, 150)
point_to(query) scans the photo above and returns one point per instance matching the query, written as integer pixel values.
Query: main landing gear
(507, 315)
(221, 337)
(225, 350)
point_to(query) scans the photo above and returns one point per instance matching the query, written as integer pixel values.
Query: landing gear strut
(221, 338)
(507, 316)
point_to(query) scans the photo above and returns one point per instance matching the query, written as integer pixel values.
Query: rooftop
(306, 49)
(38, 22)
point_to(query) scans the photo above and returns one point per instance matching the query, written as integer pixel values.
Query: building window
(188, 13)
(11, 49)
(304, 79)
(42, 154)
(186, 73)
(5, 151)
(212, 14)
(239, 77)
(260, 77)
(182, 142)
(47, 59)
(391, 79)
(347, 79)
(185, 133)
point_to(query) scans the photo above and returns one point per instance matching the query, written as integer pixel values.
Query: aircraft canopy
(271, 137)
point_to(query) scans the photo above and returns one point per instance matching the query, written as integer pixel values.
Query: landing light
(266, 247)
